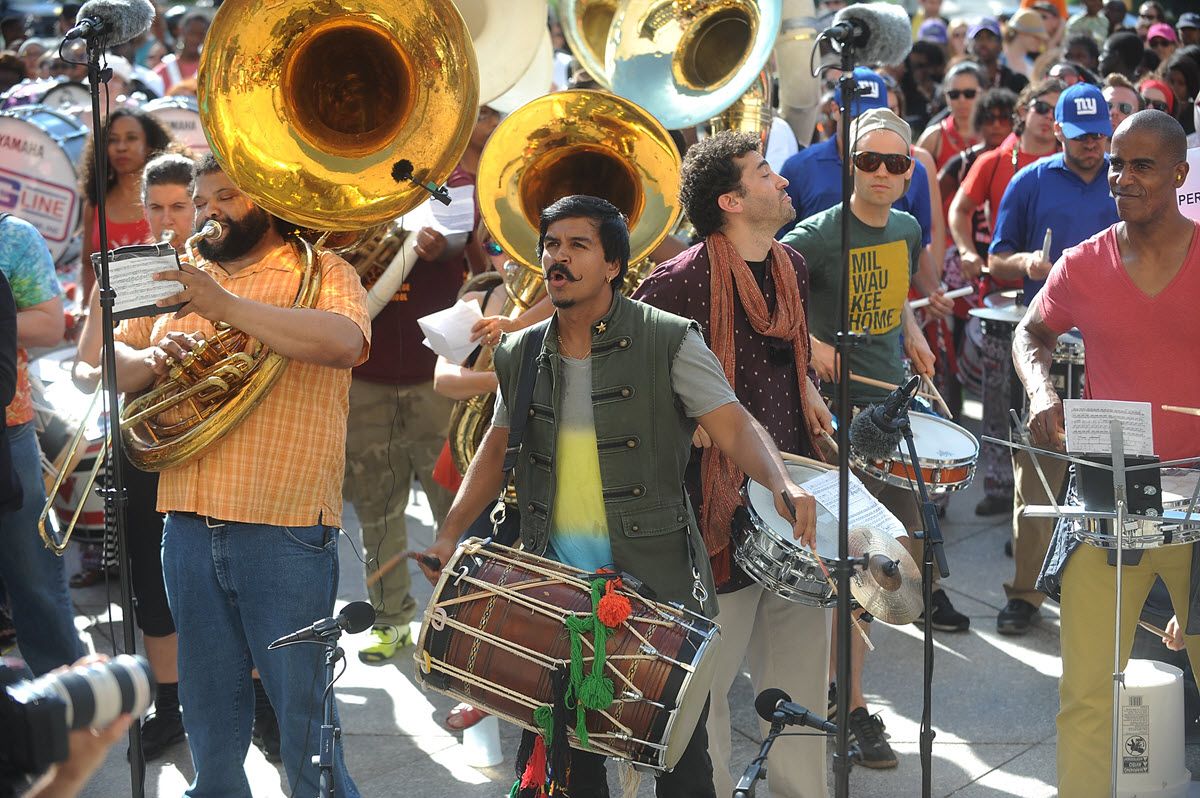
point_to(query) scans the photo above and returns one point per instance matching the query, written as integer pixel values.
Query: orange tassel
(613, 608)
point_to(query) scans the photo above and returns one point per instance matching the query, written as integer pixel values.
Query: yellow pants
(1085, 693)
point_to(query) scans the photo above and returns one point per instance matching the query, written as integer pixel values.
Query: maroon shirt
(397, 355)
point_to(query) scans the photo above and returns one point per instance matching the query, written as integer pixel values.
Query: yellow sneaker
(385, 641)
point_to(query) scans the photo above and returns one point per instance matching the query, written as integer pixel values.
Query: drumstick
(432, 563)
(1187, 411)
(938, 396)
(1152, 629)
(833, 586)
(829, 440)
(966, 290)
(887, 386)
(788, 457)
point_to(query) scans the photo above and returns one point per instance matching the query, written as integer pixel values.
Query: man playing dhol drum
(1144, 268)
(619, 389)
(751, 293)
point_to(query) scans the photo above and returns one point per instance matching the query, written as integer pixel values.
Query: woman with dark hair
(134, 137)
(962, 88)
(1182, 74)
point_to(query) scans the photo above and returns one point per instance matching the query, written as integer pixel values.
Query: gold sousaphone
(571, 142)
(319, 112)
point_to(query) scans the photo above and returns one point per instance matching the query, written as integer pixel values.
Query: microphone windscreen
(891, 31)
(767, 700)
(124, 19)
(868, 440)
(358, 616)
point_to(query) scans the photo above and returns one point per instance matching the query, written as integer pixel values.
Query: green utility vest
(644, 440)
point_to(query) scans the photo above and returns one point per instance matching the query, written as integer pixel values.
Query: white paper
(865, 509)
(455, 219)
(448, 332)
(1089, 432)
(132, 283)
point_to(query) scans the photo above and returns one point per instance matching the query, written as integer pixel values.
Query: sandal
(464, 716)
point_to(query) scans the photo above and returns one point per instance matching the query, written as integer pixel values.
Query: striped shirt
(283, 464)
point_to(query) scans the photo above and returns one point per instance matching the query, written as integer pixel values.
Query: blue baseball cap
(1081, 109)
(989, 24)
(872, 92)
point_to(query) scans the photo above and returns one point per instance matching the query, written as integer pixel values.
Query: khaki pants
(394, 433)
(1085, 692)
(785, 645)
(1031, 536)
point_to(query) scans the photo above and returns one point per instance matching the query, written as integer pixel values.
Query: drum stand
(1120, 517)
(115, 498)
(757, 769)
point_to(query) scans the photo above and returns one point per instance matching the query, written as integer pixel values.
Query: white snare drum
(946, 455)
(1175, 527)
(39, 148)
(1066, 368)
(773, 558)
(182, 116)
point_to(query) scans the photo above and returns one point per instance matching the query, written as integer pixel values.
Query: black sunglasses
(997, 119)
(1159, 41)
(1041, 108)
(1125, 108)
(1159, 105)
(954, 94)
(869, 161)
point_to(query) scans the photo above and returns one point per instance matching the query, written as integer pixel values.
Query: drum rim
(939, 464)
(770, 532)
(778, 588)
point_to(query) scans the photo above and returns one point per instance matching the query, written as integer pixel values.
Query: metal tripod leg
(1118, 458)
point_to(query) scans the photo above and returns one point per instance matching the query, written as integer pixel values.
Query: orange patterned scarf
(728, 269)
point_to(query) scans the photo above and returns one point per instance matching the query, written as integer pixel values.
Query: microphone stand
(757, 769)
(330, 733)
(115, 498)
(931, 550)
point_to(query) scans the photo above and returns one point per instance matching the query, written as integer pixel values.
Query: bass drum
(182, 116)
(39, 151)
(56, 94)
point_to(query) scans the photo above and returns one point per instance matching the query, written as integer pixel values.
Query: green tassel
(516, 789)
(594, 691)
(543, 716)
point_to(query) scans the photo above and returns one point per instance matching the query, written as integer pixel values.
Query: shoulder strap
(518, 411)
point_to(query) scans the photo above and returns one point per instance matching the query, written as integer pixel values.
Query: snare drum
(1066, 368)
(772, 557)
(39, 150)
(1174, 528)
(946, 454)
(494, 635)
(182, 115)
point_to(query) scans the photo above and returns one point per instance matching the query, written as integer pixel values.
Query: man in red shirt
(1144, 268)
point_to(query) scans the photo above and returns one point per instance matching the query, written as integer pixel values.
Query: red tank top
(951, 143)
(120, 234)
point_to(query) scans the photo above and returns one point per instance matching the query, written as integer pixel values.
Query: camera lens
(94, 695)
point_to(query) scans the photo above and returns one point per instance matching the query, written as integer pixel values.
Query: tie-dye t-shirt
(29, 267)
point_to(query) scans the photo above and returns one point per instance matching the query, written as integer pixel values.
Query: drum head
(762, 502)
(941, 440)
(38, 147)
(68, 95)
(182, 116)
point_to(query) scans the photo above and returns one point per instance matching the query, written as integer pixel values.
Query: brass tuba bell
(571, 142)
(316, 111)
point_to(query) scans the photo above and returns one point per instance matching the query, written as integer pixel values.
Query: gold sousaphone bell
(326, 114)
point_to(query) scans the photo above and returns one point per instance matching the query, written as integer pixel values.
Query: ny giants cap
(872, 92)
(1081, 110)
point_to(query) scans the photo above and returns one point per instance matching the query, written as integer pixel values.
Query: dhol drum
(182, 115)
(39, 150)
(946, 455)
(495, 635)
(1066, 367)
(772, 557)
(1175, 527)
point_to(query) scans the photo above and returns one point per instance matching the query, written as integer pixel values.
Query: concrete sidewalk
(994, 697)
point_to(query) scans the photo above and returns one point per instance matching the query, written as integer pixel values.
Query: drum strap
(518, 411)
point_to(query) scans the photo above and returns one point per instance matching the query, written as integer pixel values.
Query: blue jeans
(233, 588)
(34, 576)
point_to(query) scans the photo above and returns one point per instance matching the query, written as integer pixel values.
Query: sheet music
(864, 509)
(130, 270)
(1087, 425)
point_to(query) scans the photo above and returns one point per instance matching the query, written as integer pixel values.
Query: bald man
(1131, 291)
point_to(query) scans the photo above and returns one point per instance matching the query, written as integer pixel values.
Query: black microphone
(354, 618)
(881, 32)
(115, 21)
(875, 433)
(773, 701)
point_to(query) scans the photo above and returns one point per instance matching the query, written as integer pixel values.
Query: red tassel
(535, 768)
(613, 609)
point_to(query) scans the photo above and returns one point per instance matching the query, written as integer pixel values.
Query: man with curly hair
(750, 294)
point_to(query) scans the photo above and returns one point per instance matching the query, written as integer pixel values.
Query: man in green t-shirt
(884, 248)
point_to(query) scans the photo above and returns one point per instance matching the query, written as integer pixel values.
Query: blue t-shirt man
(815, 174)
(1049, 194)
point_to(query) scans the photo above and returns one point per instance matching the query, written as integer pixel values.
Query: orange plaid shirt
(283, 465)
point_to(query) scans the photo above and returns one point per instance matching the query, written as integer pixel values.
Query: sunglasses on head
(868, 161)
(1041, 107)
(954, 94)
(1125, 108)
(1159, 105)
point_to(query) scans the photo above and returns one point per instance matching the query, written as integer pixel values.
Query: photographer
(88, 749)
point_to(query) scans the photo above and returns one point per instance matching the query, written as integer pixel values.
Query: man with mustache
(640, 380)
(250, 539)
(750, 293)
(1146, 268)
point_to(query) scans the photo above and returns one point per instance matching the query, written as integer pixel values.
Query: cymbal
(1011, 314)
(893, 597)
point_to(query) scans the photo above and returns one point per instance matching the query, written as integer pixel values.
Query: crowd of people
(1005, 155)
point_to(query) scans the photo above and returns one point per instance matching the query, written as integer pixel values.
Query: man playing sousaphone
(624, 507)
(250, 540)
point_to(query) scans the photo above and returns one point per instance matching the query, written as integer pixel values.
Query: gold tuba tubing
(58, 540)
